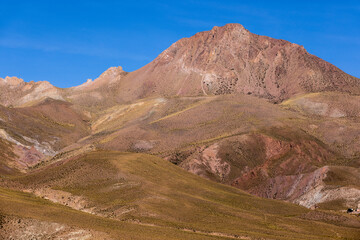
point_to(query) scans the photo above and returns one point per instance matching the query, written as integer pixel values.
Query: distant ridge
(224, 60)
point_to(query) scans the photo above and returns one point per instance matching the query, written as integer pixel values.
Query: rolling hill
(138, 196)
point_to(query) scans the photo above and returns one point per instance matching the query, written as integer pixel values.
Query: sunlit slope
(30, 135)
(331, 117)
(25, 207)
(182, 121)
(146, 190)
(266, 149)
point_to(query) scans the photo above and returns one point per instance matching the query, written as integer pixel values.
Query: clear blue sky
(67, 42)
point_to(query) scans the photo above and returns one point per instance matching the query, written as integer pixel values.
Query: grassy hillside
(240, 140)
(144, 197)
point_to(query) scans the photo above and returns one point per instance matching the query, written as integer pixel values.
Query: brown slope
(230, 59)
(128, 188)
(271, 150)
(30, 135)
(94, 95)
(15, 92)
(100, 93)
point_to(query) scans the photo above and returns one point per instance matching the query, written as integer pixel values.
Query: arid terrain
(225, 135)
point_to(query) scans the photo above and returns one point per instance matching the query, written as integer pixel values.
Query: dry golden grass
(162, 194)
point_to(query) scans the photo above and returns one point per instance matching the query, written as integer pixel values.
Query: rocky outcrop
(206, 160)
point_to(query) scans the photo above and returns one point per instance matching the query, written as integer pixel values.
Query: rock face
(230, 59)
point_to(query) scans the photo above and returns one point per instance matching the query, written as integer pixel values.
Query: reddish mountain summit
(230, 59)
(224, 60)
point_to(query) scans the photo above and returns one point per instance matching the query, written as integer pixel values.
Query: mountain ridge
(225, 60)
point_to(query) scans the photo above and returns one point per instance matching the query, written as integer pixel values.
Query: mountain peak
(112, 71)
(111, 75)
(11, 81)
(230, 27)
(230, 59)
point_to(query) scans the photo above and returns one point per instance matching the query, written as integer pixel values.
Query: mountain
(245, 114)
(224, 60)
(230, 59)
